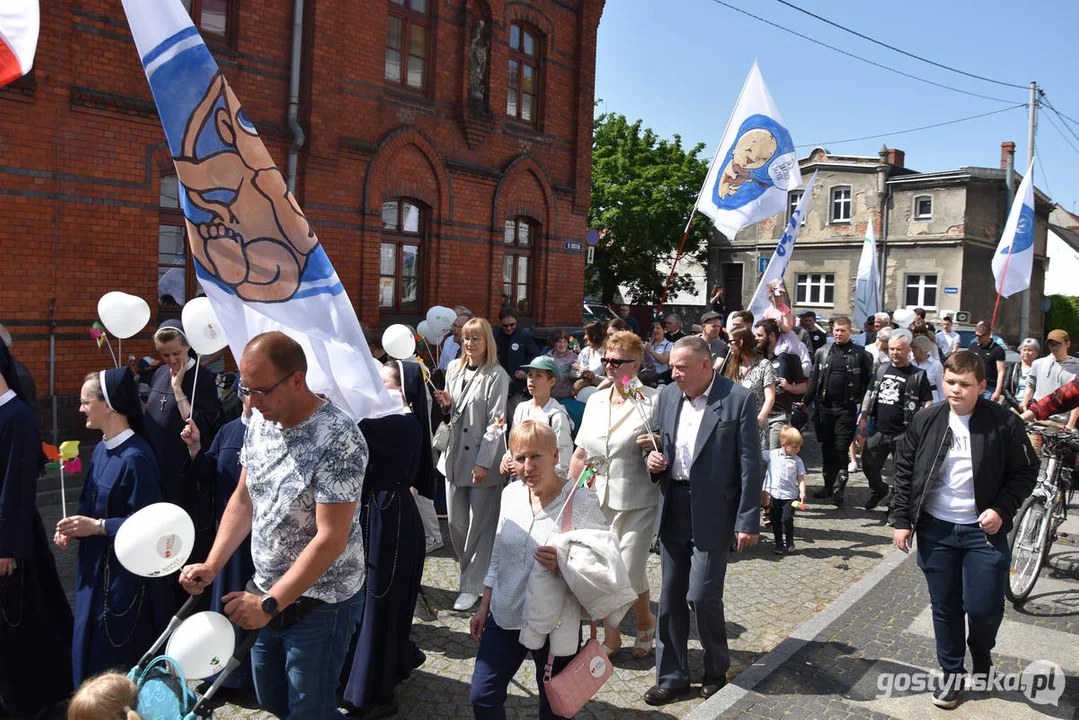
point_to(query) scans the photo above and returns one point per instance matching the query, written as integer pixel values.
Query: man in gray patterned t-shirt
(303, 464)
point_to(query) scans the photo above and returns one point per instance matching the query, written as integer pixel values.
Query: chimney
(1007, 149)
(896, 158)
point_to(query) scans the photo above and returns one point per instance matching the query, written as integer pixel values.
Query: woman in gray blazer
(474, 398)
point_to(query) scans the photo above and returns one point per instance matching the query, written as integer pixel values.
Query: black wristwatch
(269, 605)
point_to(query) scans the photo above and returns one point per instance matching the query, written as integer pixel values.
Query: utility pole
(1024, 299)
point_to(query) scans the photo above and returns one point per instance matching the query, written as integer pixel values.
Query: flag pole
(704, 184)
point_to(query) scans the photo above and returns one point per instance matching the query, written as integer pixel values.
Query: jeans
(835, 430)
(966, 570)
(988, 394)
(297, 670)
(776, 421)
(500, 655)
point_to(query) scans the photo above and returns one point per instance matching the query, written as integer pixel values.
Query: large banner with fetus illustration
(256, 256)
(755, 164)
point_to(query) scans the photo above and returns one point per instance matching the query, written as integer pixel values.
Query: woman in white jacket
(474, 398)
(530, 516)
(617, 428)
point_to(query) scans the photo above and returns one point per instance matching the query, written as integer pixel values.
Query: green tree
(643, 190)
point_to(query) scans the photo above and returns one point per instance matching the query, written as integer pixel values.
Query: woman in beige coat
(474, 399)
(617, 429)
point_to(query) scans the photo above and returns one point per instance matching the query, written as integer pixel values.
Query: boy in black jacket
(962, 470)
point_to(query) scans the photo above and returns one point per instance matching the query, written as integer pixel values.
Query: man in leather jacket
(962, 470)
(841, 374)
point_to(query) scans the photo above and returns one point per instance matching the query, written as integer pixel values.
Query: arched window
(175, 269)
(522, 85)
(520, 238)
(400, 261)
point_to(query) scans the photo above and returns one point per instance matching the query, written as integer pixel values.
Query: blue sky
(679, 65)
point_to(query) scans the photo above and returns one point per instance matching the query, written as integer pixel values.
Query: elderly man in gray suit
(710, 490)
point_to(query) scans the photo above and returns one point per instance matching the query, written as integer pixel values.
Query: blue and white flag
(256, 256)
(755, 164)
(777, 266)
(867, 286)
(1014, 257)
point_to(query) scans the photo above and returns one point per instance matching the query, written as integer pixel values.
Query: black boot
(840, 487)
(824, 492)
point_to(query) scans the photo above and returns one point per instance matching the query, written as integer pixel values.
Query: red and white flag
(20, 22)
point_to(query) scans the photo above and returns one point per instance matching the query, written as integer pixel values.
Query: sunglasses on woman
(614, 362)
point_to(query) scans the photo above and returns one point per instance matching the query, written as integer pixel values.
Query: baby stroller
(163, 690)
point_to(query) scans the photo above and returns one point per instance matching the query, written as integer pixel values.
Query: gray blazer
(725, 478)
(485, 404)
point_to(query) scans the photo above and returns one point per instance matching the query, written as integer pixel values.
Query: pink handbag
(569, 690)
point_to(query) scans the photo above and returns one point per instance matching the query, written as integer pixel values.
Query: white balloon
(903, 317)
(440, 319)
(123, 315)
(585, 393)
(156, 540)
(204, 331)
(399, 342)
(425, 331)
(202, 644)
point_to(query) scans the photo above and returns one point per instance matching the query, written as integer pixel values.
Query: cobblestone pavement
(767, 597)
(842, 671)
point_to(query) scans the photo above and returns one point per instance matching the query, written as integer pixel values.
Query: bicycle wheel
(1028, 540)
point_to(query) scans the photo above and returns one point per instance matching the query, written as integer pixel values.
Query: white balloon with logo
(440, 319)
(156, 540)
(204, 331)
(202, 644)
(122, 314)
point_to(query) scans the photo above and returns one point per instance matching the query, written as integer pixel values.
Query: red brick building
(445, 159)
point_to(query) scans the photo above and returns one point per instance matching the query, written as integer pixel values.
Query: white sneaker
(433, 545)
(852, 466)
(465, 601)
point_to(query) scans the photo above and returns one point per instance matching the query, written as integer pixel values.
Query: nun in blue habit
(35, 619)
(219, 468)
(383, 653)
(118, 615)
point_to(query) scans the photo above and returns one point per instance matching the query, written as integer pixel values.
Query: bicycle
(1042, 513)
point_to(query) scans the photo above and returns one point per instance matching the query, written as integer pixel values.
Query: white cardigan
(591, 575)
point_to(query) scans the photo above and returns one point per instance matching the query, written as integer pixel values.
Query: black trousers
(835, 431)
(878, 447)
(782, 514)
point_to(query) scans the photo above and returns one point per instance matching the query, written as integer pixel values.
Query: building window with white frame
(815, 289)
(793, 198)
(841, 204)
(400, 264)
(923, 207)
(920, 290)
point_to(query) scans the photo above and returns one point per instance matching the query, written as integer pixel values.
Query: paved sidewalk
(767, 599)
(837, 665)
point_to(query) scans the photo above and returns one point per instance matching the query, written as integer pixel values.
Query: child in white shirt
(543, 373)
(785, 483)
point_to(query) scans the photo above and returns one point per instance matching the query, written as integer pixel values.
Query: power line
(898, 50)
(1062, 115)
(1061, 132)
(1059, 115)
(923, 127)
(856, 57)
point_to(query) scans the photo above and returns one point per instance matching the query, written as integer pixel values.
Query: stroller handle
(174, 623)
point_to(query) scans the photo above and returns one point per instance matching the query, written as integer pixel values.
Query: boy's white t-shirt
(952, 499)
(553, 414)
(781, 482)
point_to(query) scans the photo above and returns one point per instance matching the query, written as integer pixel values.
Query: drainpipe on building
(52, 368)
(298, 137)
(884, 246)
